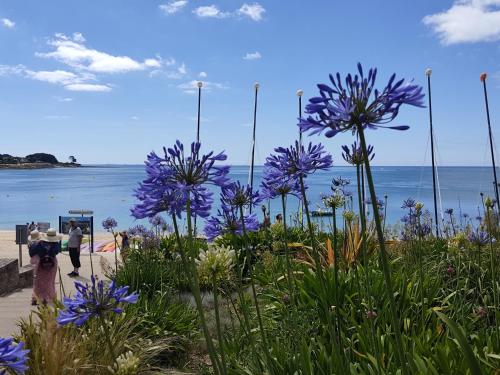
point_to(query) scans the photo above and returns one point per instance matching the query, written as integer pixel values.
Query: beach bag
(47, 262)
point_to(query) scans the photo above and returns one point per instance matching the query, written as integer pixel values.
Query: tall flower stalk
(177, 183)
(109, 225)
(275, 184)
(356, 105)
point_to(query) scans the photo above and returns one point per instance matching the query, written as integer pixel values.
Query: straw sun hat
(52, 236)
(34, 235)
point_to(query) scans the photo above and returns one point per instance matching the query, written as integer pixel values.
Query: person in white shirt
(74, 243)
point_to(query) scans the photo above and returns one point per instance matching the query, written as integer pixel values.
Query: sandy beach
(17, 305)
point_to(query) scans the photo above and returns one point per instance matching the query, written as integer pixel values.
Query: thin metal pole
(256, 87)
(299, 94)
(483, 79)
(200, 84)
(428, 73)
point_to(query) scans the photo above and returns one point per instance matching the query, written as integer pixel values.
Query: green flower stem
(252, 282)
(365, 268)
(493, 270)
(287, 251)
(421, 270)
(108, 337)
(217, 322)
(384, 259)
(195, 289)
(317, 262)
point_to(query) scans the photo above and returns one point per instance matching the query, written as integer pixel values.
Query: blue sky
(109, 81)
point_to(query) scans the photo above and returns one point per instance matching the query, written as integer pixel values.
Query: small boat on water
(319, 213)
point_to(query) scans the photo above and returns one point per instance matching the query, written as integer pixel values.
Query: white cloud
(88, 87)
(73, 52)
(56, 77)
(210, 11)
(182, 69)
(203, 75)
(467, 21)
(191, 87)
(173, 6)
(9, 24)
(254, 11)
(63, 100)
(9, 70)
(135, 118)
(252, 56)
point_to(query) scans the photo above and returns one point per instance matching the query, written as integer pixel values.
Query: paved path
(17, 305)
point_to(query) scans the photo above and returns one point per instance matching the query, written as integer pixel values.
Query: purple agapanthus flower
(109, 224)
(380, 203)
(93, 301)
(277, 183)
(478, 238)
(339, 182)
(448, 211)
(138, 230)
(236, 195)
(297, 161)
(342, 108)
(176, 179)
(12, 356)
(354, 154)
(157, 221)
(227, 222)
(409, 203)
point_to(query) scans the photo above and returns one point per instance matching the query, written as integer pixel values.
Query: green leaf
(464, 345)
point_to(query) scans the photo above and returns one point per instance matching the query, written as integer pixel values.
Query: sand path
(17, 305)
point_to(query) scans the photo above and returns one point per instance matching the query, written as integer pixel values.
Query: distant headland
(35, 161)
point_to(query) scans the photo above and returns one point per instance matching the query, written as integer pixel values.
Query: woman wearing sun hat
(33, 241)
(44, 286)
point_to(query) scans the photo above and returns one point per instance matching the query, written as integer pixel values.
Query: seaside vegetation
(344, 294)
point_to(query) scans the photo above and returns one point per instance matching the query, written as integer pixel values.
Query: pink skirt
(44, 285)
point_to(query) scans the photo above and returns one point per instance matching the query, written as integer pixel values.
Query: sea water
(45, 194)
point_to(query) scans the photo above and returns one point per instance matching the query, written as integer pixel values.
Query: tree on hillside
(72, 159)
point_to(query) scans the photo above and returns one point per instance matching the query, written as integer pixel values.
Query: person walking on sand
(44, 285)
(33, 240)
(74, 243)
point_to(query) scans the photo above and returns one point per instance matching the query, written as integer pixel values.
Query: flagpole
(256, 87)
(200, 84)
(428, 73)
(483, 79)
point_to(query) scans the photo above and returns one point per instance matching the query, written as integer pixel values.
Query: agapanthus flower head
(345, 106)
(346, 193)
(448, 211)
(176, 178)
(380, 203)
(109, 224)
(409, 203)
(339, 182)
(137, 231)
(13, 357)
(94, 300)
(465, 215)
(229, 222)
(478, 238)
(157, 221)
(334, 201)
(298, 161)
(349, 216)
(236, 195)
(423, 229)
(354, 154)
(215, 262)
(276, 182)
